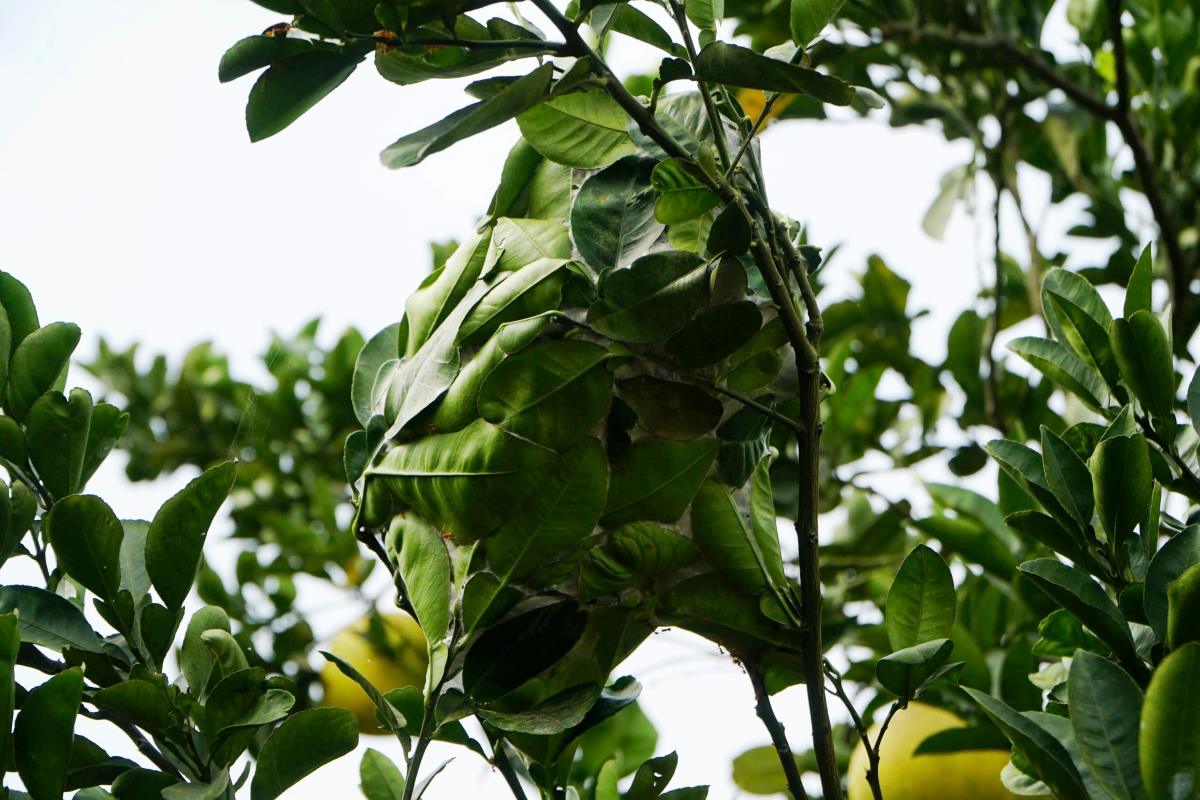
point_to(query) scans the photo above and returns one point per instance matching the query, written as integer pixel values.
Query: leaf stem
(839, 691)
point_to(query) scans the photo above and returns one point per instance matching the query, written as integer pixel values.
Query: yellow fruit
(971, 775)
(404, 666)
(753, 101)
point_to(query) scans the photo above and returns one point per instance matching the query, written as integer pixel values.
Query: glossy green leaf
(1175, 557)
(19, 308)
(440, 294)
(921, 603)
(656, 480)
(1106, 707)
(291, 87)
(552, 393)
(48, 620)
(1193, 399)
(581, 129)
(519, 96)
(108, 424)
(143, 703)
(1122, 482)
(747, 556)
(304, 742)
(1144, 355)
(424, 565)
(177, 533)
(467, 483)
(705, 14)
(1076, 592)
(1079, 317)
(1068, 477)
(372, 370)
(459, 406)
(521, 242)
(86, 536)
(629, 21)
(38, 363)
(411, 64)
(714, 334)
(1063, 367)
(1045, 754)
(519, 648)
(904, 671)
(44, 732)
(669, 409)
(1141, 282)
(809, 18)
(1183, 608)
(1169, 745)
(612, 218)
(739, 66)
(652, 299)
(195, 658)
(256, 52)
(10, 645)
(56, 430)
(561, 514)
(527, 292)
(385, 712)
(379, 778)
(681, 195)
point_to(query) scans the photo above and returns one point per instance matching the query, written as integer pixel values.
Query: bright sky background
(132, 203)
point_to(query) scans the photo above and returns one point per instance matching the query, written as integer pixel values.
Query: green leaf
(86, 536)
(521, 242)
(385, 711)
(1183, 608)
(714, 334)
(424, 565)
(459, 406)
(681, 196)
(44, 732)
(467, 483)
(195, 658)
(411, 64)
(519, 96)
(256, 52)
(56, 431)
(1141, 282)
(1068, 478)
(38, 363)
(304, 742)
(739, 66)
(143, 703)
(809, 18)
(1144, 355)
(108, 423)
(1193, 399)
(629, 21)
(1106, 708)
(1122, 482)
(1063, 367)
(705, 14)
(1076, 592)
(176, 537)
(1169, 745)
(977, 544)
(1045, 754)
(19, 308)
(552, 393)
(511, 197)
(511, 652)
(141, 784)
(757, 771)
(227, 655)
(561, 514)
(379, 778)
(1078, 316)
(612, 218)
(746, 556)
(1174, 558)
(905, 671)
(372, 371)
(652, 299)
(529, 291)
(581, 129)
(920, 605)
(292, 86)
(669, 409)
(10, 645)
(48, 620)
(656, 480)
(1048, 531)
(439, 295)
(561, 712)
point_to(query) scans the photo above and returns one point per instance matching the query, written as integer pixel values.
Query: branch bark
(762, 705)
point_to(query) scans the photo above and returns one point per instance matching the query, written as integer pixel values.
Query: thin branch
(470, 44)
(839, 691)
(502, 762)
(766, 713)
(139, 740)
(992, 395)
(714, 117)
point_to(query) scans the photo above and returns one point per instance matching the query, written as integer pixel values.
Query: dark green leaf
(652, 299)
(669, 409)
(656, 480)
(48, 620)
(44, 732)
(581, 129)
(255, 52)
(1169, 745)
(379, 778)
(1106, 709)
(1083, 597)
(739, 66)
(1122, 482)
(38, 363)
(1068, 478)
(809, 18)
(177, 533)
(612, 218)
(424, 565)
(292, 86)
(520, 96)
(86, 536)
(921, 604)
(56, 430)
(681, 195)
(1141, 281)
(1183, 608)
(10, 645)
(1176, 557)
(1063, 367)
(903, 672)
(304, 742)
(1144, 355)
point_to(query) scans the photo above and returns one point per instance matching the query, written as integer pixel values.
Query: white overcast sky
(132, 203)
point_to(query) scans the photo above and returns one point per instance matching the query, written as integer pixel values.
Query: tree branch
(766, 713)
